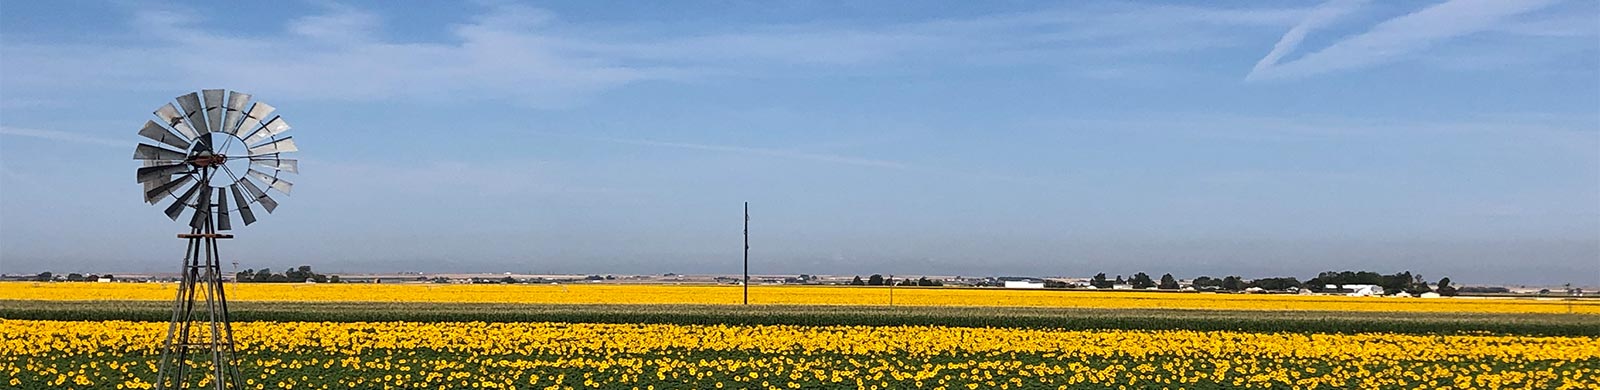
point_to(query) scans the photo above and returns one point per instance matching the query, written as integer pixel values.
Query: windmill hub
(206, 159)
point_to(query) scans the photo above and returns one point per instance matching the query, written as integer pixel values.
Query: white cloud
(341, 25)
(1389, 40)
(63, 136)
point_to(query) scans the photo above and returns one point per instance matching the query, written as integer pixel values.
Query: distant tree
(1418, 285)
(74, 277)
(1445, 288)
(1275, 284)
(1206, 283)
(611, 277)
(1346, 277)
(108, 277)
(262, 275)
(595, 277)
(1141, 281)
(857, 281)
(924, 281)
(1544, 291)
(300, 274)
(1394, 284)
(875, 280)
(91, 278)
(333, 278)
(1119, 280)
(1168, 282)
(508, 280)
(45, 276)
(1232, 283)
(1099, 281)
(1481, 290)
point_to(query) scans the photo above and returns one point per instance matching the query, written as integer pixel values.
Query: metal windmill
(192, 164)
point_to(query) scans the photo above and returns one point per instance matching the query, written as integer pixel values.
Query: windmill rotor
(210, 146)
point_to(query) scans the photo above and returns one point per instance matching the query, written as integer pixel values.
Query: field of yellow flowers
(534, 355)
(787, 295)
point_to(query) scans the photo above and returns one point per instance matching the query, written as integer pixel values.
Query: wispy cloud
(62, 136)
(336, 55)
(780, 153)
(1389, 40)
(531, 56)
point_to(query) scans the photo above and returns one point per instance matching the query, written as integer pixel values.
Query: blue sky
(1457, 138)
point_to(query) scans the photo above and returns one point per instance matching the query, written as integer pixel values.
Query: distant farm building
(1362, 290)
(1023, 284)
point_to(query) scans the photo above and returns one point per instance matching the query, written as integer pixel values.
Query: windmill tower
(193, 165)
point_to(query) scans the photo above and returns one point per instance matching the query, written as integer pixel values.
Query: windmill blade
(161, 171)
(152, 152)
(213, 100)
(176, 208)
(267, 203)
(172, 117)
(154, 194)
(245, 213)
(203, 144)
(202, 209)
(258, 196)
(235, 107)
(253, 118)
(222, 211)
(154, 131)
(272, 181)
(271, 161)
(193, 113)
(273, 127)
(159, 181)
(154, 184)
(280, 146)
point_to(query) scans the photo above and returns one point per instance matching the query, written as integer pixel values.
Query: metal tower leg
(202, 270)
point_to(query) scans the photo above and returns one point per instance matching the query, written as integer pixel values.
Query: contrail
(1390, 39)
(1318, 18)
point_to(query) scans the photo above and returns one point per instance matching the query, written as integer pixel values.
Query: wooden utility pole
(746, 253)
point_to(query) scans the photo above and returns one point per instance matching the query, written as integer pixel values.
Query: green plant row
(421, 368)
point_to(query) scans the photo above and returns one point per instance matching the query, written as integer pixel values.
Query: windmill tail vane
(212, 144)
